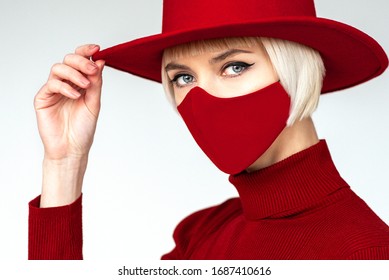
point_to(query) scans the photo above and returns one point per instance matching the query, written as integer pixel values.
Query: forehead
(199, 47)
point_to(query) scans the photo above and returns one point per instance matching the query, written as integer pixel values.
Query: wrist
(62, 180)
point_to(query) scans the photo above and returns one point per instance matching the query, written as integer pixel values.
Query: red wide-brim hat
(350, 56)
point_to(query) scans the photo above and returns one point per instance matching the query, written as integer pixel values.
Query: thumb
(93, 93)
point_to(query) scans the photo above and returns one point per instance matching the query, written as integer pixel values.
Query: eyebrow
(176, 66)
(218, 58)
(226, 54)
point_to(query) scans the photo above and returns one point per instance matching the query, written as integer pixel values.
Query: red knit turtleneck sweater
(299, 208)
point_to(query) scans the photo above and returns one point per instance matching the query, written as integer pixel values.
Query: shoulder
(364, 235)
(210, 218)
(203, 222)
(190, 231)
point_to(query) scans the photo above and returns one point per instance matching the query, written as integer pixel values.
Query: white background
(145, 172)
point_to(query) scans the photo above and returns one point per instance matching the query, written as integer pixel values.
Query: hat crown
(186, 15)
(341, 46)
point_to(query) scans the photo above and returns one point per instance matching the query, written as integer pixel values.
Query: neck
(293, 139)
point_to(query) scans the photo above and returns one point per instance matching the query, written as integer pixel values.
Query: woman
(247, 99)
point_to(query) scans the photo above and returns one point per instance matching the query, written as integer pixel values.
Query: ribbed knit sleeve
(55, 233)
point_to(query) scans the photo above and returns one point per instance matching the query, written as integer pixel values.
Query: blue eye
(235, 68)
(182, 80)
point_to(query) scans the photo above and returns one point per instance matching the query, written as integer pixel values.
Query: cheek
(264, 77)
(268, 74)
(179, 96)
(178, 99)
(253, 81)
(273, 76)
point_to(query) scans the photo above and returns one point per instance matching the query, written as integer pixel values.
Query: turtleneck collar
(290, 185)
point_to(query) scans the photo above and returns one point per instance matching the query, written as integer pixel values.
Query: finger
(64, 72)
(59, 87)
(87, 50)
(93, 94)
(52, 92)
(81, 63)
(96, 79)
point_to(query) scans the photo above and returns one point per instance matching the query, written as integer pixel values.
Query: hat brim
(351, 57)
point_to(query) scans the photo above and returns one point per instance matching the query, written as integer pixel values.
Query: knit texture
(299, 208)
(55, 233)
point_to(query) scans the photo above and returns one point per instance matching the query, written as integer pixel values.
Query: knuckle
(81, 49)
(55, 67)
(50, 85)
(68, 58)
(37, 95)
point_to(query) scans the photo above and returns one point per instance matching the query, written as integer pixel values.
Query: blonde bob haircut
(300, 68)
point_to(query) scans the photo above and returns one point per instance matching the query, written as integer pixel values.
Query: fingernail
(85, 81)
(91, 66)
(92, 46)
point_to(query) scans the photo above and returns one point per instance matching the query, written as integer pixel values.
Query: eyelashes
(229, 70)
(235, 68)
(180, 80)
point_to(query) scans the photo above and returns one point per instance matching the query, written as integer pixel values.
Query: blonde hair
(300, 68)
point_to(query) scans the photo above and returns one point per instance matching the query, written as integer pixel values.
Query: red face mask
(235, 132)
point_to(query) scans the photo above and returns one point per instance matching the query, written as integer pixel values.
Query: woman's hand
(67, 109)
